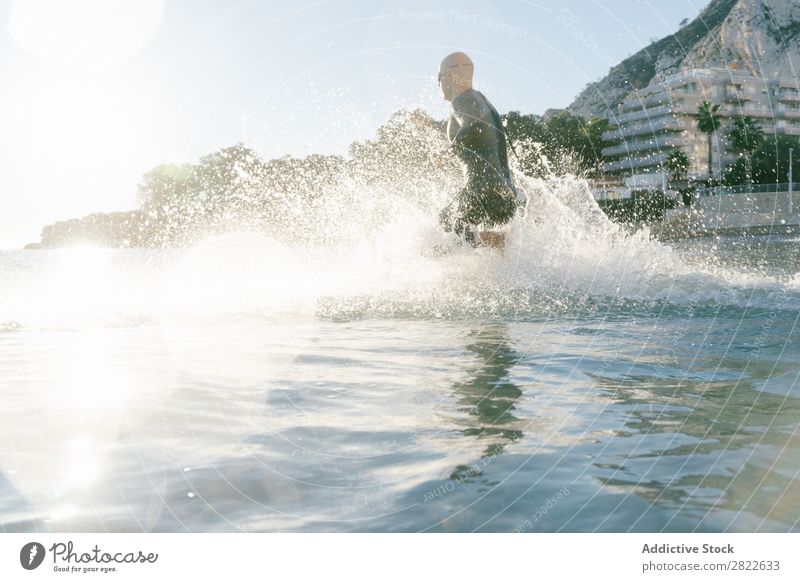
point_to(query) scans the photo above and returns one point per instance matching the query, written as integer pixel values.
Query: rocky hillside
(759, 36)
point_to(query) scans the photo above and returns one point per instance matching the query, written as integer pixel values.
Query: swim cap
(455, 75)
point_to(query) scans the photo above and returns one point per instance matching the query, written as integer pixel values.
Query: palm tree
(746, 137)
(708, 121)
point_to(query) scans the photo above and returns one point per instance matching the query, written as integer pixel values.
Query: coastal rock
(761, 37)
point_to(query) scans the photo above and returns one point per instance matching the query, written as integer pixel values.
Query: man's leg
(456, 217)
(447, 218)
(499, 204)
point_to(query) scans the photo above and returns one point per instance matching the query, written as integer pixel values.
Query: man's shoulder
(470, 100)
(467, 96)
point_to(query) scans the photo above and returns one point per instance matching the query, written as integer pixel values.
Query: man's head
(455, 75)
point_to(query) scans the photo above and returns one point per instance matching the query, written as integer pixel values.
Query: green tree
(228, 179)
(770, 162)
(708, 121)
(400, 149)
(559, 134)
(568, 133)
(164, 185)
(528, 136)
(678, 165)
(595, 128)
(746, 135)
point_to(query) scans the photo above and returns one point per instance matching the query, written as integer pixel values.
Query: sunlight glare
(81, 463)
(81, 272)
(76, 123)
(84, 34)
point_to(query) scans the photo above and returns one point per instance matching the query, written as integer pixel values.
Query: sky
(93, 93)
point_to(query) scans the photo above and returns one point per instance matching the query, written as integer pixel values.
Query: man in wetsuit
(475, 132)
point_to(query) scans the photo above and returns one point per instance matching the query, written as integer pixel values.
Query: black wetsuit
(489, 198)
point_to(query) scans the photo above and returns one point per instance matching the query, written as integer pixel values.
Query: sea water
(588, 379)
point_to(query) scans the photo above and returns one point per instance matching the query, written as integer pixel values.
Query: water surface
(586, 381)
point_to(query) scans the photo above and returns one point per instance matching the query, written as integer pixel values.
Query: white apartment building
(656, 120)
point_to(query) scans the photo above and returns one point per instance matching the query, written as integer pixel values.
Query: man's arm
(438, 158)
(463, 121)
(467, 114)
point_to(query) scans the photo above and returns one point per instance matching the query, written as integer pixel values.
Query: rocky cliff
(758, 36)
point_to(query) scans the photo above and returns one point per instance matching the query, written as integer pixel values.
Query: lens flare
(84, 34)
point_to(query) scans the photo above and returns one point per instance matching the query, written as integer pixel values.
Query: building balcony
(637, 103)
(737, 96)
(660, 98)
(666, 141)
(634, 163)
(785, 130)
(684, 93)
(624, 118)
(689, 104)
(766, 112)
(792, 97)
(663, 123)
